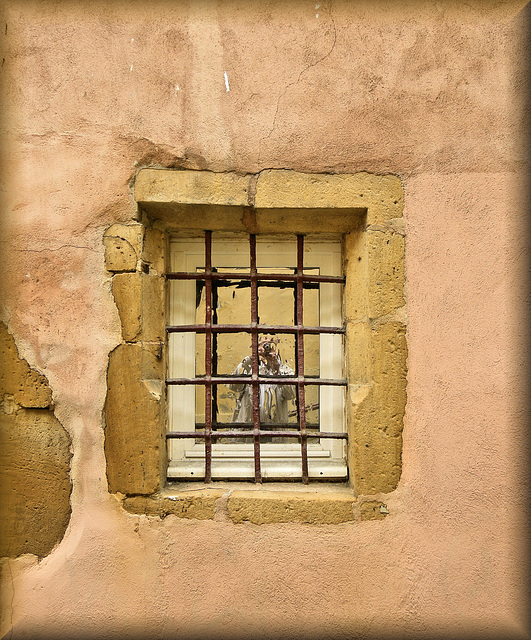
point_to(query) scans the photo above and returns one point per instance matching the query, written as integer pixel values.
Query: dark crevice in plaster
(64, 246)
(291, 84)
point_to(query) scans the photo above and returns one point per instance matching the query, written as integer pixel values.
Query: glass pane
(331, 356)
(330, 304)
(199, 354)
(231, 301)
(311, 302)
(311, 402)
(199, 404)
(276, 300)
(311, 355)
(230, 251)
(229, 351)
(274, 252)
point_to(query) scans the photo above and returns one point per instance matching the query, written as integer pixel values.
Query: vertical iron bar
(255, 360)
(215, 294)
(300, 358)
(208, 356)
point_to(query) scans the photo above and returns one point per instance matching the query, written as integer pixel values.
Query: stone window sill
(259, 504)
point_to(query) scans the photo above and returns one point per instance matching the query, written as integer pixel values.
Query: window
(255, 381)
(360, 216)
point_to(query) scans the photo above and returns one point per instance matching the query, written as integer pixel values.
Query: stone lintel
(167, 192)
(191, 187)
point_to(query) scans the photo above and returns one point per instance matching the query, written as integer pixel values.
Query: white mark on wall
(131, 68)
(226, 81)
(132, 39)
(177, 88)
(316, 15)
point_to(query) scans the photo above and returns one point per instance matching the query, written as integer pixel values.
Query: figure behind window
(274, 398)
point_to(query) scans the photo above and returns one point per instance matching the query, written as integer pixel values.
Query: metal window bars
(210, 277)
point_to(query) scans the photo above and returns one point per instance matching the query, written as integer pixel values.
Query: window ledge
(259, 504)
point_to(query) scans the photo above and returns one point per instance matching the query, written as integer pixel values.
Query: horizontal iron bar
(251, 434)
(280, 277)
(261, 380)
(247, 328)
(249, 425)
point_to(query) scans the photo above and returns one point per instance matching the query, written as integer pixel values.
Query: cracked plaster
(428, 91)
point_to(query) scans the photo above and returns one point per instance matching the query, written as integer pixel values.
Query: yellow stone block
(198, 505)
(372, 510)
(191, 187)
(385, 272)
(123, 244)
(290, 506)
(132, 420)
(382, 196)
(153, 250)
(388, 353)
(35, 482)
(153, 306)
(140, 301)
(127, 292)
(356, 264)
(28, 387)
(357, 352)
(153, 367)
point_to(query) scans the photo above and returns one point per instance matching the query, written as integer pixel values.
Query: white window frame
(327, 458)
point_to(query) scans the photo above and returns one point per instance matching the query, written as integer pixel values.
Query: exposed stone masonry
(35, 483)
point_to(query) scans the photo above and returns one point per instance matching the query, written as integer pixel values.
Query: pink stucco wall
(428, 91)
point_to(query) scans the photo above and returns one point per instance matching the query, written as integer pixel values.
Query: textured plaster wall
(432, 92)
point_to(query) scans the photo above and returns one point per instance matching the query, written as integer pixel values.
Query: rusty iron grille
(207, 433)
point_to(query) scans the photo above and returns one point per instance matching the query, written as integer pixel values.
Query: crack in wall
(291, 84)
(64, 246)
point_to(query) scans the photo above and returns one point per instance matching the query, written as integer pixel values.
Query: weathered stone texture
(386, 273)
(191, 187)
(382, 195)
(140, 301)
(35, 457)
(123, 245)
(185, 504)
(376, 416)
(133, 432)
(28, 387)
(286, 506)
(126, 289)
(372, 510)
(153, 306)
(153, 250)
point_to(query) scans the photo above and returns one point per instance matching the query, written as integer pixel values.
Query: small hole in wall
(145, 267)
(359, 259)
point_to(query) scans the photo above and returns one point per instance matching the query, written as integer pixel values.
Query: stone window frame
(367, 209)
